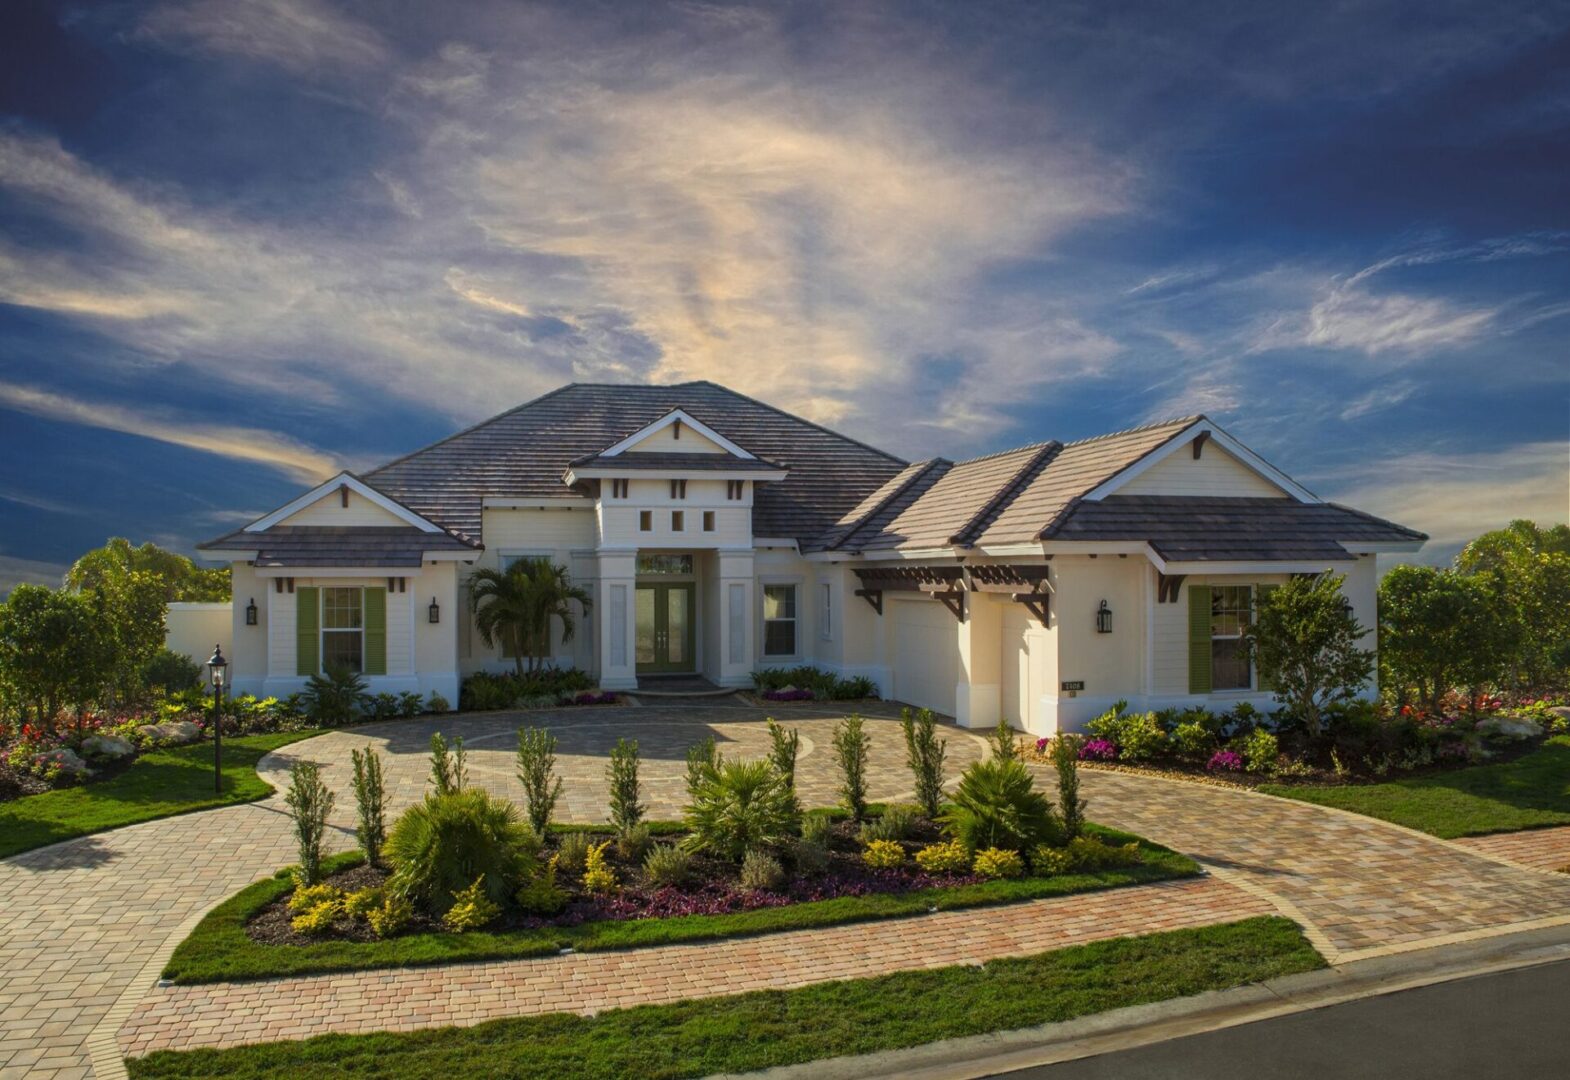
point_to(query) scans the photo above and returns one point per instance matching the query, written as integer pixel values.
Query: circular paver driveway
(584, 739)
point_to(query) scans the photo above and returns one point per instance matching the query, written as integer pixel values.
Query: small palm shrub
(851, 744)
(309, 803)
(335, 697)
(449, 767)
(897, 822)
(598, 876)
(471, 908)
(998, 863)
(924, 756)
(634, 844)
(441, 846)
(1065, 759)
(668, 865)
(572, 851)
(392, 917)
(540, 895)
(949, 857)
(740, 806)
(883, 855)
(383, 706)
(626, 810)
(762, 872)
(784, 744)
(370, 804)
(537, 774)
(997, 806)
(1004, 742)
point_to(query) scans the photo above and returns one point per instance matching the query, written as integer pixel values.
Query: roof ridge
(922, 468)
(1185, 421)
(1045, 454)
(1035, 446)
(799, 419)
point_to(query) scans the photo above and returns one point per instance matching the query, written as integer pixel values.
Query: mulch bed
(15, 784)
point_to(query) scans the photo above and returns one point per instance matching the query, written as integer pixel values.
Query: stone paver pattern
(186, 1017)
(1543, 849)
(1360, 886)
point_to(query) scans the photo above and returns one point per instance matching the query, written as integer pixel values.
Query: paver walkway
(184, 1017)
(1546, 849)
(1360, 887)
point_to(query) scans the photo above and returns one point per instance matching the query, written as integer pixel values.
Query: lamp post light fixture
(435, 611)
(1103, 619)
(218, 667)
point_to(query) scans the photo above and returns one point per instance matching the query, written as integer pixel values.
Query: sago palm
(514, 607)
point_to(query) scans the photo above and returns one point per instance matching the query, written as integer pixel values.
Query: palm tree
(515, 606)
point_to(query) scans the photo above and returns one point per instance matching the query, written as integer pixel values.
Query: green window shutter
(376, 631)
(1264, 591)
(307, 630)
(1199, 639)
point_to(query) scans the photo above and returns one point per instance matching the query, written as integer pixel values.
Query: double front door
(665, 637)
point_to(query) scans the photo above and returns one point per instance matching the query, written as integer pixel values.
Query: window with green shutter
(307, 630)
(375, 631)
(1199, 639)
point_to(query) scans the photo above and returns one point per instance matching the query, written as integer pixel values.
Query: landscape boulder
(65, 761)
(1511, 727)
(108, 747)
(172, 732)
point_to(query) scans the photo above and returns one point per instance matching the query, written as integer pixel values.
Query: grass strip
(771, 1028)
(219, 950)
(159, 784)
(1530, 792)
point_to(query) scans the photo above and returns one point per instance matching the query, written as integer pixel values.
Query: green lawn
(158, 784)
(769, 1028)
(219, 950)
(1529, 792)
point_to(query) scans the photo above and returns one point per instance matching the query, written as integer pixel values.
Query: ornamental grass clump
(998, 863)
(537, 773)
(668, 865)
(370, 804)
(884, 855)
(948, 857)
(924, 753)
(996, 806)
(851, 745)
(761, 872)
(740, 806)
(439, 847)
(309, 803)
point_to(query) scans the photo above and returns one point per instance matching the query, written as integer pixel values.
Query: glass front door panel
(678, 620)
(647, 630)
(665, 630)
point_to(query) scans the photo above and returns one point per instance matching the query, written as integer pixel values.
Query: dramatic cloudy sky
(244, 242)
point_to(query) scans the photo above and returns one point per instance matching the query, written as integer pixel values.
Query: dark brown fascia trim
(889, 500)
(972, 529)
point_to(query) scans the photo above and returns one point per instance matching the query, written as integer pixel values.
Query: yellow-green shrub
(998, 863)
(1084, 854)
(883, 855)
(598, 877)
(471, 908)
(308, 897)
(949, 857)
(394, 914)
(357, 905)
(317, 920)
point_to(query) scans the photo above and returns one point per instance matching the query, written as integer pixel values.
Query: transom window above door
(656, 564)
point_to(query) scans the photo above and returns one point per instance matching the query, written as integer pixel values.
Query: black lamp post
(217, 666)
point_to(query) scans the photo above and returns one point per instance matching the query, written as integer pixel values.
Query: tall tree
(514, 607)
(1440, 629)
(55, 651)
(182, 579)
(1532, 567)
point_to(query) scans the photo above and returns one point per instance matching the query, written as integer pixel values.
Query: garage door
(926, 654)
(1016, 667)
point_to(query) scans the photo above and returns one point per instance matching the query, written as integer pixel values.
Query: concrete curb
(1141, 1025)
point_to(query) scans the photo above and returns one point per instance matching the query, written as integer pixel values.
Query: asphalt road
(1513, 1025)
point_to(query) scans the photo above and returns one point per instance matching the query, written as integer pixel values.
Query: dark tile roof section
(1205, 529)
(524, 452)
(1075, 470)
(671, 462)
(340, 545)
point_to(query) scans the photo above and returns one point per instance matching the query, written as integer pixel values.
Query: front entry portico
(665, 635)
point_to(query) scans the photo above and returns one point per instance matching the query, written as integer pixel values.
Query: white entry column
(736, 582)
(615, 618)
(978, 694)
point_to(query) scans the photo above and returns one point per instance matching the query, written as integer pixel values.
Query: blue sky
(243, 244)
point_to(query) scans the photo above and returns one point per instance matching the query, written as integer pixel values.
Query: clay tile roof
(339, 545)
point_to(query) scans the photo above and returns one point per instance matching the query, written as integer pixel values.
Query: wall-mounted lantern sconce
(1103, 619)
(436, 612)
(250, 612)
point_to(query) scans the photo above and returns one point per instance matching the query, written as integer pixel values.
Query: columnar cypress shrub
(449, 767)
(924, 753)
(370, 802)
(309, 804)
(537, 774)
(626, 810)
(851, 743)
(1071, 808)
(701, 757)
(783, 746)
(1005, 747)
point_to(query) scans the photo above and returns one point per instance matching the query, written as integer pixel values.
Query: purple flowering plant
(1098, 750)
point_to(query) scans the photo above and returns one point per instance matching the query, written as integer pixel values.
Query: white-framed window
(1231, 607)
(645, 520)
(779, 620)
(343, 627)
(708, 521)
(826, 611)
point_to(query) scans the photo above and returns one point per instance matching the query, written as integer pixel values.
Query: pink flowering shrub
(1225, 761)
(1098, 750)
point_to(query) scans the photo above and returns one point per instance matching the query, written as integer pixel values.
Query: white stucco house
(719, 534)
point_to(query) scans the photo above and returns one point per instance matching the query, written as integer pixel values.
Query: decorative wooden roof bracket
(1167, 587)
(1027, 584)
(873, 597)
(1199, 443)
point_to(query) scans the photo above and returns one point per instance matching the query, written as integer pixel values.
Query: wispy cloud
(302, 36)
(240, 443)
(16, 571)
(1378, 399)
